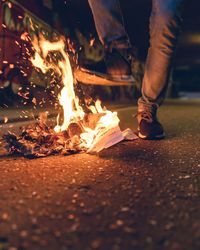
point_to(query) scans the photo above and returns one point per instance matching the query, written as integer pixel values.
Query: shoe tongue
(147, 110)
(151, 107)
(125, 53)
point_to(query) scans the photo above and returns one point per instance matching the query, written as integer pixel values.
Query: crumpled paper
(109, 137)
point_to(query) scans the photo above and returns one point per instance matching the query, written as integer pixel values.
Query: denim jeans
(165, 22)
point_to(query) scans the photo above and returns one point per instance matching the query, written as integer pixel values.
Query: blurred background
(21, 84)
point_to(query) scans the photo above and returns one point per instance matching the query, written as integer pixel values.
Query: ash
(39, 140)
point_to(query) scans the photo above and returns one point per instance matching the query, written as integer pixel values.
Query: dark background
(76, 14)
(68, 16)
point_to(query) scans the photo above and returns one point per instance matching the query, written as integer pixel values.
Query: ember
(78, 131)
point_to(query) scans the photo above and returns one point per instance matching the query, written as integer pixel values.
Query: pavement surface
(135, 195)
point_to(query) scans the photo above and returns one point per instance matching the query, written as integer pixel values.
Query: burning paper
(90, 131)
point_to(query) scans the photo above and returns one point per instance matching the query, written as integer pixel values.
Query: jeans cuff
(144, 101)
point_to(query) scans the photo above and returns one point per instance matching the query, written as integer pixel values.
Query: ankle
(144, 104)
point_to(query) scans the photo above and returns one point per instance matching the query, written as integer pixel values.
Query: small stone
(82, 204)
(52, 216)
(73, 181)
(57, 233)
(169, 226)
(74, 227)
(5, 216)
(87, 211)
(124, 209)
(96, 243)
(14, 226)
(157, 203)
(12, 248)
(149, 239)
(23, 234)
(119, 222)
(153, 222)
(30, 212)
(34, 193)
(34, 221)
(35, 238)
(129, 230)
(71, 216)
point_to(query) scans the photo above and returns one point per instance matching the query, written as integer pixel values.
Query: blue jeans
(165, 22)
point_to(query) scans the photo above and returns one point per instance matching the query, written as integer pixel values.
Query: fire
(72, 110)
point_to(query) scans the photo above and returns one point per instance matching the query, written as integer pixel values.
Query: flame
(72, 110)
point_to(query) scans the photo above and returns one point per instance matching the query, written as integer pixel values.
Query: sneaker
(116, 67)
(149, 127)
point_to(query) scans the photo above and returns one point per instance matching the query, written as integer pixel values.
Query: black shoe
(116, 67)
(149, 127)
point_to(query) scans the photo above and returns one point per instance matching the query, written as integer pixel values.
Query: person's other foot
(115, 67)
(149, 127)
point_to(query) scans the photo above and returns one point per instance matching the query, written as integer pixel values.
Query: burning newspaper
(78, 131)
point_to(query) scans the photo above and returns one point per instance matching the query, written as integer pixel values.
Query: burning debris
(77, 130)
(39, 140)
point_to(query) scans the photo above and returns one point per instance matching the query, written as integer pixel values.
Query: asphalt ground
(135, 195)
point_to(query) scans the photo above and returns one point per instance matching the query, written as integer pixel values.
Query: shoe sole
(95, 78)
(157, 137)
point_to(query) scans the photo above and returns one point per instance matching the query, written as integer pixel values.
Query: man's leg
(109, 23)
(165, 22)
(116, 67)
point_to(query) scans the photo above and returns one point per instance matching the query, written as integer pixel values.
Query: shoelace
(148, 113)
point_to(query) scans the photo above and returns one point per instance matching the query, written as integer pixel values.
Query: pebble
(5, 216)
(57, 233)
(34, 221)
(14, 226)
(119, 222)
(34, 193)
(96, 243)
(35, 238)
(129, 230)
(23, 234)
(71, 217)
(153, 222)
(149, 239)
(169, 226)
(125, 209)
